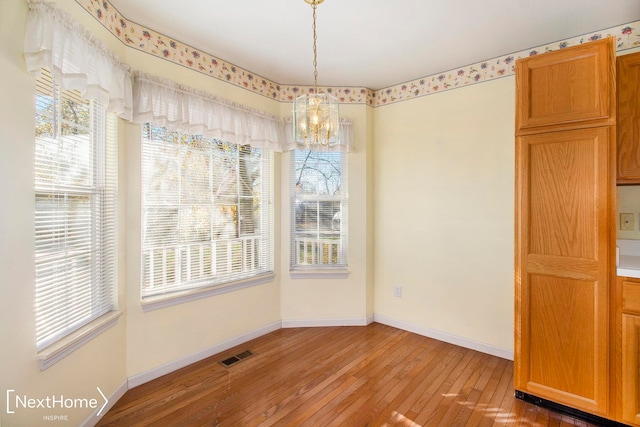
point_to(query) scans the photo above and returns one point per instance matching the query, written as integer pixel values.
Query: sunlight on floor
(398, 419)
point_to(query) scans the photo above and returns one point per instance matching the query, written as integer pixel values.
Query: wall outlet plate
(627, 221)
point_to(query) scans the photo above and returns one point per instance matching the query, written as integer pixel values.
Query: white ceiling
(371, 43)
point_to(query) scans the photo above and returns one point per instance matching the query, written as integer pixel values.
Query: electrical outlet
(397, 291)
(627, 222)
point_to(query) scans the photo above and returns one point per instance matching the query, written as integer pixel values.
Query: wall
(443, 190)
(99, 363)
(142, 344)
(168, 338)
(331, 301)
(629, 202)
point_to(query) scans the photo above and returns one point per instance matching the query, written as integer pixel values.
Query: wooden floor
(341, 376)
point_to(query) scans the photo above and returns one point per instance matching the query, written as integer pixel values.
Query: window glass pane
(75, 209)
(207, 212)
(319, 203)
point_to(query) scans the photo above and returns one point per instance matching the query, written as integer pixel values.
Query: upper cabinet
(628, 130)
(571, 88)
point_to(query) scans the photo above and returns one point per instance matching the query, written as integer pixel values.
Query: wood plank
(374, 375)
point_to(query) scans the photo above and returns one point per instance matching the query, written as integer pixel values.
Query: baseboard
(100, 411)
(443, 336)
(167, 368)
(313, 323)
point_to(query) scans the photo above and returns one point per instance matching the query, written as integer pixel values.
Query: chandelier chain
(315, 51)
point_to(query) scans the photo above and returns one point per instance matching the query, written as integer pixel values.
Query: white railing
(173, 266)
(314, 251)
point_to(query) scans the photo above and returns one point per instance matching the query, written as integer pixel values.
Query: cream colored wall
(158, 337)
(140, 341)
(443, 189)
(629, 202)
(335, 301)
(101, 362)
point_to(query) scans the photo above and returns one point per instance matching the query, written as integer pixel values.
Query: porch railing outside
(314, 251)
(176, 266)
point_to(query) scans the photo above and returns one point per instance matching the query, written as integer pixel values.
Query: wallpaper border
(162, 46)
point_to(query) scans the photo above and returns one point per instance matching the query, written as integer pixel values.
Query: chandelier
(315, 116)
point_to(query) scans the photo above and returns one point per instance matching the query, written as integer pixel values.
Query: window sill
(175, 298)
(317, 273)
(59, 350)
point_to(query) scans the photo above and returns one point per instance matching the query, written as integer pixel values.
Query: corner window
(319, 210)
(75, 211)
(207, 216)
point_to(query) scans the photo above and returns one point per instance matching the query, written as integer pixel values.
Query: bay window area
(207, 216)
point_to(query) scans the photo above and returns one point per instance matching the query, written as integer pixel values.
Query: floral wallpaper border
(162, 46)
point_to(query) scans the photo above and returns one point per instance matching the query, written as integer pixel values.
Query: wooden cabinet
(566, 88)
(628, 128)
(630, 351)
(565, 238)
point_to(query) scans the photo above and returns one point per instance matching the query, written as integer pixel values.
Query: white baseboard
(167, 368)
(313, 323)
(112, 399)
(443, 336)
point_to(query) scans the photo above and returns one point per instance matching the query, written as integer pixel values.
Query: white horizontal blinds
(319, 209)
(207, 215)
(75, 211)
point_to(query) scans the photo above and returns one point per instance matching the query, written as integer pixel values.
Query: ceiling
(371, 43)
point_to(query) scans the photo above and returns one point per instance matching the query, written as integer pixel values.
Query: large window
(319, 209)
(207, 212)
(75, 211)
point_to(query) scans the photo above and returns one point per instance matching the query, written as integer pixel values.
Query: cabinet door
(630, 369)
(628, 129)
(565, 88)
(563, 257)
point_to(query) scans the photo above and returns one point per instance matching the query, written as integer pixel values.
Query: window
(75, 211)
(319, 209)
(207, 212)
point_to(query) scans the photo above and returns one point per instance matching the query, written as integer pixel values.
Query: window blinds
(319, 209)
(75, 211)
(207, 212)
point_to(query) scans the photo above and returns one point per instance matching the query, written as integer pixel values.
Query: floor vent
(237, 358)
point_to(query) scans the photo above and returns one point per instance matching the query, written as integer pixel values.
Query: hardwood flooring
(337, 376)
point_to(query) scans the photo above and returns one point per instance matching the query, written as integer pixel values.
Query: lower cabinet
(630, 371)
(631, 351)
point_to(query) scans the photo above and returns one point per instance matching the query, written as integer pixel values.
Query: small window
(75, 211)
(207, 212)
(319, 210)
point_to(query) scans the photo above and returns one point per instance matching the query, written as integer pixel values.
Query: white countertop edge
(628, 272)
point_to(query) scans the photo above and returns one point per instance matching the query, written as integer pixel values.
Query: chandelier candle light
(315, 116)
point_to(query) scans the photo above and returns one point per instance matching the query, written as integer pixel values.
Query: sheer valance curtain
(184, 109)
(79, 61)
(76, 58)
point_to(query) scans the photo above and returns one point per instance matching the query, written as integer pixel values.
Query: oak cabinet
(563, 267)
(566, 88)
(630, 350)
(564, 249)
(628, 126)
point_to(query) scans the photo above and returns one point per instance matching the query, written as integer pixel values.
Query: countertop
(628, 259)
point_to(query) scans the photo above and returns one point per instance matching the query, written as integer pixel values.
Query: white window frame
(197, 271)
(311, 256)
(64, 321)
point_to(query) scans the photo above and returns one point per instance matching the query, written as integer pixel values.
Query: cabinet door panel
(628, 129)
(565, 88)
(630, 369)
(563, 202)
